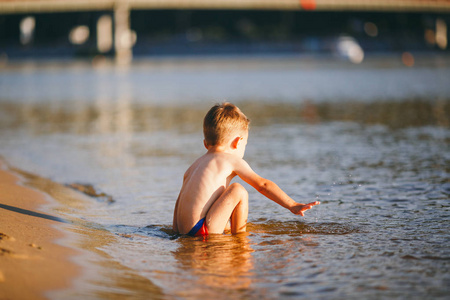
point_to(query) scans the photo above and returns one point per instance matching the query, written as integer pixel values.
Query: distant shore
(372, 60)
(33, 259)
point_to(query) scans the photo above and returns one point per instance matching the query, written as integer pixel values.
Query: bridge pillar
(123, 39)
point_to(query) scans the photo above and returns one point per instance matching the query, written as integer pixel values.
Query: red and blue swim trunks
(199, 229)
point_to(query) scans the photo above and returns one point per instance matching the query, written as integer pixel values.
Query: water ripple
(299, 228)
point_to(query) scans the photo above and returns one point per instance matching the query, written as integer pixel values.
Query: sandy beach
(33, 260)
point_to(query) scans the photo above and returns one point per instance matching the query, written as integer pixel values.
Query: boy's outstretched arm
(271, 190)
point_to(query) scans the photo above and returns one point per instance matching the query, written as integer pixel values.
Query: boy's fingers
(306, 207)
(309, 205)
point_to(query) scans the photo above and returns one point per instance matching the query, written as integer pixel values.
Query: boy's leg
(232, 203)
(240, 213)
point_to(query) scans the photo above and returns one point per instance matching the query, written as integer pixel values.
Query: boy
(207, 201)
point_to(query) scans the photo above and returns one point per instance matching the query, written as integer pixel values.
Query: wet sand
(33, 258)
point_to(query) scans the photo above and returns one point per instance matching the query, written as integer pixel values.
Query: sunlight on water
(298, 228)
(378, 162)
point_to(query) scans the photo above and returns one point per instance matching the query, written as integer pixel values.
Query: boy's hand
(300, 208)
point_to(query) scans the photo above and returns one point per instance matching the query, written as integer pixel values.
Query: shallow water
(373, 150)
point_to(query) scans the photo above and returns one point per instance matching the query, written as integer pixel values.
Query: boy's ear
(235, 142)
(205, 144)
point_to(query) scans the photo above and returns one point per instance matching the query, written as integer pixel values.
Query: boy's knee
(240, 190)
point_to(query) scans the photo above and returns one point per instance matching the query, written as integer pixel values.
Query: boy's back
(203, 183)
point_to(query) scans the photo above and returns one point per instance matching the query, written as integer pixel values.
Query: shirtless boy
(207, 201)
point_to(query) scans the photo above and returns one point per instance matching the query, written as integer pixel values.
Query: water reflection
(218, 262)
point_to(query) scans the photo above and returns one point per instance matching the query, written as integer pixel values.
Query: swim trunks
(199, 229)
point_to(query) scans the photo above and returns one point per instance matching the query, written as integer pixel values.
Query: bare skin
(206, 191)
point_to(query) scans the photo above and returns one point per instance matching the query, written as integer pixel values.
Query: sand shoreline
(33, 260)
(46, 252)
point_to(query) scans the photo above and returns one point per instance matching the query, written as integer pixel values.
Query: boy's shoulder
(221, 158)
(225, 157)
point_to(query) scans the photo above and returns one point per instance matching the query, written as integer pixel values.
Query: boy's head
(223, 122)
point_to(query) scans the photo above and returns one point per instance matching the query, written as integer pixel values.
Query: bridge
(20, 6)
(121, 36)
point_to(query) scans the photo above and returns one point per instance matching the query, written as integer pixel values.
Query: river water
(370, 142)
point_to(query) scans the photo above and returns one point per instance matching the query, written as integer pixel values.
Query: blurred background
(121, 29)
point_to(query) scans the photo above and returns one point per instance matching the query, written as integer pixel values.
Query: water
(370, 142)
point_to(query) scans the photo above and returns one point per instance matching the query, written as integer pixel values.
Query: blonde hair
(221, 121)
